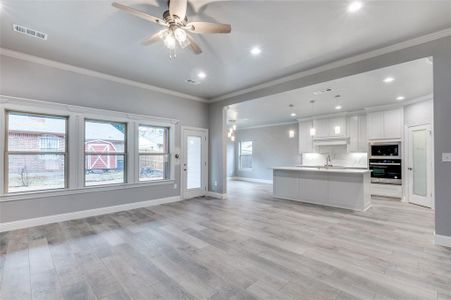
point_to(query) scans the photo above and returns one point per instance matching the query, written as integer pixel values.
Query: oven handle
(385, 164)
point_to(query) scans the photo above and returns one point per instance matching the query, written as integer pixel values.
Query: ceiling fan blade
(151, 39)
(139, 13)
(193, 45)
(206, 27)
(178, 8)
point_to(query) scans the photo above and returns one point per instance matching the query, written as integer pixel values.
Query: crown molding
(100, 75)
(340, 63)
(399, 104)
(266, 125)
(58, 106)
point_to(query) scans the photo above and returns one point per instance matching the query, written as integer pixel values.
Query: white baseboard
(216, 195)
(443, 240)
(8, 226)
(267, 181)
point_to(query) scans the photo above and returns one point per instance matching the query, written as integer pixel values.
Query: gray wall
(35, 81)
(440, 50)
(271, 147)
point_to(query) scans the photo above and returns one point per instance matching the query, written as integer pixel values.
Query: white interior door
(420, 165)
(194, 164)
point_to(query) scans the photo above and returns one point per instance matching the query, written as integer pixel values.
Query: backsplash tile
(339, 157)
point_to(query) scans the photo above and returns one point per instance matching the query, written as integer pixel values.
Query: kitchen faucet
(328, 161)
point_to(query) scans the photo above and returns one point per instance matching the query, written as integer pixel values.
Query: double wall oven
(385, 162)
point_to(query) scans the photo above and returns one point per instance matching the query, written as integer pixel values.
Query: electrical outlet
(446, 157)
(215, 183)
(175, 186)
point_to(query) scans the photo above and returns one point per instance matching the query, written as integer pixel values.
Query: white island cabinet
(343, 188)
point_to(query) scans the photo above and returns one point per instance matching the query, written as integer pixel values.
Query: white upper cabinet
(357, 131)
(322, 128)
(332, 127)
(385, 124)
(305, 139)
(337, 127)
(375, 125)
(393, 120)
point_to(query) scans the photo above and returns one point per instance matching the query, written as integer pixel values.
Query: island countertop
(325, 169)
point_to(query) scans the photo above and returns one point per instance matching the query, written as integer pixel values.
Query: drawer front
(386, 190)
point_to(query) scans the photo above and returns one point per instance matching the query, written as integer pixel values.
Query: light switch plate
(446, 157)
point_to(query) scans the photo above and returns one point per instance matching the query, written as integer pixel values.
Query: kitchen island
(337, 187)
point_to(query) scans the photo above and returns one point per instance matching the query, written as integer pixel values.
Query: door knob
(410, 169)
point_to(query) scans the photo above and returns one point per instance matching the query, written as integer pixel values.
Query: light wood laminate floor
(250, 246)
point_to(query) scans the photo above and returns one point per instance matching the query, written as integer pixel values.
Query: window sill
(89, 189)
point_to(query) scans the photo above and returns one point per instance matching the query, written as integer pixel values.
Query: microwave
(381, 150)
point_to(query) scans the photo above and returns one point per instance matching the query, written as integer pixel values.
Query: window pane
(194, 162)
(104, 169)
(35, 133)
(246, 148)
(105, 137)
(246, 161)
(153, 167)
(35, 172)
(153, 139)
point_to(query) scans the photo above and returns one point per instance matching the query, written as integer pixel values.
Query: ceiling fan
(177, 27)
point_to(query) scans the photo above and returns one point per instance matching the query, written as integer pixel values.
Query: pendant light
(337, 128)
(312, 128)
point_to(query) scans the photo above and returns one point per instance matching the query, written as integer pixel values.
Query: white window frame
(251, 155)
(75, 163)
(5, 150)
(168, 153)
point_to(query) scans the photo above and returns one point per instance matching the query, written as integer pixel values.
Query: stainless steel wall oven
(386, 171)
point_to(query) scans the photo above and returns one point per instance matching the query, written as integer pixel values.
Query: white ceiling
(293, 36)
(413, 80)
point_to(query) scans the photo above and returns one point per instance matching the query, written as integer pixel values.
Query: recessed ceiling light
(400, 98)
(202, 75)
(355, 6)
(338, 107)
(293, 115)
(256, 51)
(389, 79)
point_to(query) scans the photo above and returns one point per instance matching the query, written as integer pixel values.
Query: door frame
(183, 193)
(430, 149)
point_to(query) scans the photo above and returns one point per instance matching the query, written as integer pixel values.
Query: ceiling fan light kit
(177, 27)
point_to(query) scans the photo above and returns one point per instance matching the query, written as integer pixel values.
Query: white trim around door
(201, 188)
(423, 192)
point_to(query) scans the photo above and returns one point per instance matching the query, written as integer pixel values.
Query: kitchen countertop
(325, 169)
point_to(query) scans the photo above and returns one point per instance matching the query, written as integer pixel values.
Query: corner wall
(25, 79)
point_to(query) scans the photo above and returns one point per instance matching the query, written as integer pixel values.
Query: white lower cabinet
(386, 190)
(286, 184)
(344, 190)
(313, 186)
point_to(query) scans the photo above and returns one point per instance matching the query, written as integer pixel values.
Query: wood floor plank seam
(248, 246)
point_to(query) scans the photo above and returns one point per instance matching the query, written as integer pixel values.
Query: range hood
(331, 141)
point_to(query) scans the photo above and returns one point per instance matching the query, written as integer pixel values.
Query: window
(36, 152)
(245, 155)
(153, 153)
(105, 152)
